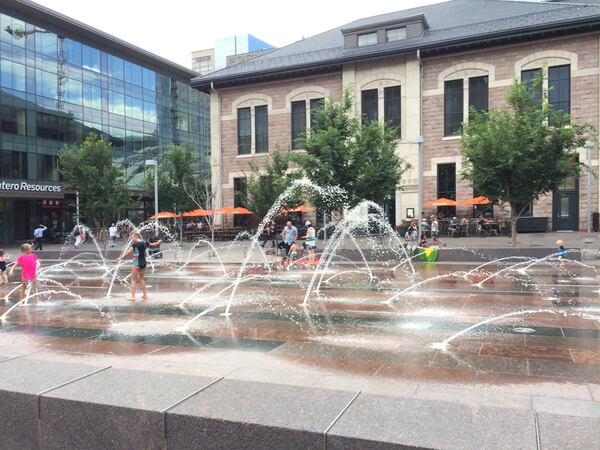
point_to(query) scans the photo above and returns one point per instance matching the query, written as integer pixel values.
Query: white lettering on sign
(25, 186)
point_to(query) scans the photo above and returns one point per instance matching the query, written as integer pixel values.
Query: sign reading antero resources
(25, 186)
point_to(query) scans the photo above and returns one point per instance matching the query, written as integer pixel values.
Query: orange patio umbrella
(164, 215)
(481, 200)
(240, 210)
(224, 211)
(300, 209)
(441, 202)
(198, 213)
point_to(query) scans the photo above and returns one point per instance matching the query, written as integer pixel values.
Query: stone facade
(502, 65)
(422, 97)
(227, 164)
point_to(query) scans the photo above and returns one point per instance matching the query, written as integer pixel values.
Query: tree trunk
(514, 214)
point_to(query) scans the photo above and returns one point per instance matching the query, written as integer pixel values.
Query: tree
(345, 152)
(102, 187)
(515, 155)
(267, 182)
(175, 173)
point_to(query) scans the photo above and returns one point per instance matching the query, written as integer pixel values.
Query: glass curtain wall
(56, 90)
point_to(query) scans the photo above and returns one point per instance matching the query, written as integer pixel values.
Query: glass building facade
(55, 89)
(236, 45)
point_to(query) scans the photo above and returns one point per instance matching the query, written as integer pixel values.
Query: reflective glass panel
(116, 103)
(91, 58)
(133, 108)
(13, 120)
(133, 73)
(73, 91)
(149, 79)
(115, 67)
(92, 96)
(46, 84)
(46, 43)
(72, 52)
(150, 112)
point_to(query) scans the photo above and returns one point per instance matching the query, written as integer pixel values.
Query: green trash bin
(429, 254)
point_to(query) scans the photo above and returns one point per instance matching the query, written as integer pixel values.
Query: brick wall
(501, 64)
(278, 95)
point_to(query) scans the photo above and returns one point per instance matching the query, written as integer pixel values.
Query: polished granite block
(21, 380)
(562, 432)
(378, 422)
(113, 409)
(235, 414)
(567, 407)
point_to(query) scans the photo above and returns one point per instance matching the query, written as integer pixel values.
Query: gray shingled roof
(451, 21)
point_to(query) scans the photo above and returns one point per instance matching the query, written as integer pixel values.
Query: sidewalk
(235, 254)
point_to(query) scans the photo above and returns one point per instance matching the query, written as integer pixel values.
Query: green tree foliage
(342, 151)
(177, 180)
(515, 156)
(268, 181)
(89, 169)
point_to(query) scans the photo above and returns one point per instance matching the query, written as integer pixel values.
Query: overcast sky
(174, 28)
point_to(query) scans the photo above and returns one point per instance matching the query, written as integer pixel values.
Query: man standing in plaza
(38, 237)
(113, 234)
(289, 234)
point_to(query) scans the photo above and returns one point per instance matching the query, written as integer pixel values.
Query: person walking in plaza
(138, 250)
(38, 236)
(289, 234)
(311, 241)
(113, 234)
(79, 234)
(269, 234)
(28, 263)
(435, 231)
(4, 258)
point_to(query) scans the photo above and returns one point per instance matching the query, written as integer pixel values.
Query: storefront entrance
(565, 206)
(25, 204)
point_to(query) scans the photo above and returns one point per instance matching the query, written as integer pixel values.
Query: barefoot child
(561, 252)
(138, 249)
(4, 257)
(28, 262)
(293, 253)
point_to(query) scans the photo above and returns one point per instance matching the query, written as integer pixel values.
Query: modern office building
(60, 80)
(243, 46)
(419, 69)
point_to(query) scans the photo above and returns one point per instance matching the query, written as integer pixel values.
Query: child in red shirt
(28, 262)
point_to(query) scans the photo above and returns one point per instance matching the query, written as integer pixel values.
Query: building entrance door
(565, 206)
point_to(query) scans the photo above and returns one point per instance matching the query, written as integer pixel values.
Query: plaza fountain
(364, 293)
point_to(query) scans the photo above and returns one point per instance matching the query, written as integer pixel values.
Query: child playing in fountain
(561, 252)
(4, 257)
(29, 263)
(138, 249)
(412, 239)
(293, 253)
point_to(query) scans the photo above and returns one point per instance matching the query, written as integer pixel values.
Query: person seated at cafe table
(452, 225)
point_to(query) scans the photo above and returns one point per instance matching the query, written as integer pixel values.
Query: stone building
(419, 69)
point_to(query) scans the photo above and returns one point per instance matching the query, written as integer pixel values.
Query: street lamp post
(420, 141)
(588, 239)
(77, 206)
(153, 162)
